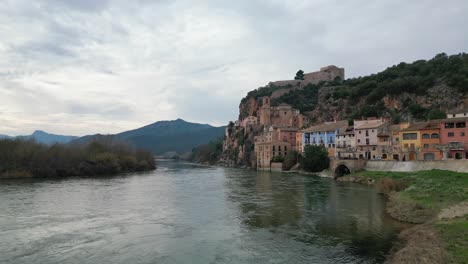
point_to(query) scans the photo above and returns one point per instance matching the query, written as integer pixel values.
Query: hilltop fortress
(327, 73)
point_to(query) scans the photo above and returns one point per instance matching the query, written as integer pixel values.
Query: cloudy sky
(103, 66)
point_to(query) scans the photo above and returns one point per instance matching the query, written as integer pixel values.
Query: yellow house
(410, 141)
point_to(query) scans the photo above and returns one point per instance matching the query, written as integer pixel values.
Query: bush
(290, 160)
(387, 185)
(277, 159)
(315, 158)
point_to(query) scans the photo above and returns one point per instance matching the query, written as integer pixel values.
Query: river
(185, 213)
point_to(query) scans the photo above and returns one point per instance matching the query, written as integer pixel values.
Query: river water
(185, 213)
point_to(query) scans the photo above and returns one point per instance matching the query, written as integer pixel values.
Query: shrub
(315, 158)
(387, 185)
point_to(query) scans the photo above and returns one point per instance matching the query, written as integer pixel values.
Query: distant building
(458, 113)
(282, 115)
(250, 120)
(454, 137)
(327, 73)
(273, 142)
(366, 134)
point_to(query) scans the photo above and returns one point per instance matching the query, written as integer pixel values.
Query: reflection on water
(185, 213)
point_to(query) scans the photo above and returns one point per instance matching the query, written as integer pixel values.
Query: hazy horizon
(79, 67)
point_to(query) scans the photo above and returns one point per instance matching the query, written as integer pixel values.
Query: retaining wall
(408, 166)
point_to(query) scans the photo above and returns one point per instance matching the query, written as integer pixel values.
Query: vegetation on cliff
(208, 153)
(436, 199)
(102, 156)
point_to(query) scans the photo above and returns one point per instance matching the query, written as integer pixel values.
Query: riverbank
(437, 201)
(102, 156)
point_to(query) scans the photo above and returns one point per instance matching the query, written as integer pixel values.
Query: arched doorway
(341, 170)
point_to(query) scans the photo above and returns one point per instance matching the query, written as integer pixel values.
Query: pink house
(454, 136)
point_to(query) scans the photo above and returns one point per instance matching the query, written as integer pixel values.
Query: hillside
(408, 91)
(168, 136)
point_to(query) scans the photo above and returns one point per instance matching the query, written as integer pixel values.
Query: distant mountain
(4, 136)
(167, 136)
(48, 139)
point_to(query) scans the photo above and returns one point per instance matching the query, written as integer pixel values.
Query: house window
(461, 125)
(273, 148)
(451, 134)
(425, 136)
(359, 131)
(279, 148)
(359, 141)
(367, 133)
(397, 139)
(462, 134)
(453, 115)
(405, 145)
(434, 135)
(367, 141)
(410, 136)
(426, 146)
(285, 148)
(449, 125)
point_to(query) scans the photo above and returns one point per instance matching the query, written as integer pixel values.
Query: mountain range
(160, 137)
(166, 136)
(43, 137)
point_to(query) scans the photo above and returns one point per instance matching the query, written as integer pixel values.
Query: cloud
(89, 66)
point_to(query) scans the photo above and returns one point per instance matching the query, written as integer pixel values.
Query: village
(280, 129)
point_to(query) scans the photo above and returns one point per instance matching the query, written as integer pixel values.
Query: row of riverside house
(376, 138)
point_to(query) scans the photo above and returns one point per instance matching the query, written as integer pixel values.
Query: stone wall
(276, 166)
(409, 166)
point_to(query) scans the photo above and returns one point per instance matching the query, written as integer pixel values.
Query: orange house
(430, 138)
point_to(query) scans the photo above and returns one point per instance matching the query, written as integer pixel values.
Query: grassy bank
(438, 201)
(435, 199)
(434, 189)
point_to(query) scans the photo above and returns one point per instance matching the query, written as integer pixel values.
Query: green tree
(315, 158)
(299, 75)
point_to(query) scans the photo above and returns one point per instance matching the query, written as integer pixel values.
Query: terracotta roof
(348, 131)
(327, 126)
(433, 124)
(395, 128)
(369, 125)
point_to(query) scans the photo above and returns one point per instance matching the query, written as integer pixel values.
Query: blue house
(323, 135)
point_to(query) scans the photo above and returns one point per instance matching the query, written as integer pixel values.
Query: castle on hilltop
(327, 73)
